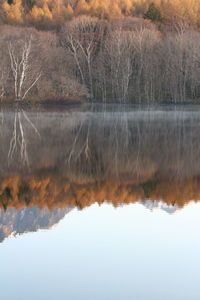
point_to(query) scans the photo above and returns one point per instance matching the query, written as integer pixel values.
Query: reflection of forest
(78, 158)
(55, 192)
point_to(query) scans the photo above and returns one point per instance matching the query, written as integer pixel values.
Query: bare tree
(22, 68)
(120, 55)
(82, 37)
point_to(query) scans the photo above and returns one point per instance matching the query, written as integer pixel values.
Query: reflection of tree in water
(135, 147)
(18, 142)
(52, 191)
(92, 156)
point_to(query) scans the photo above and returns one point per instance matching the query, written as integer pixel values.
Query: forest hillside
(51, 12)
(121, 51)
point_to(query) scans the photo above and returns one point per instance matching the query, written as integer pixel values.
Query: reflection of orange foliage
(59, 192)
(177, 193)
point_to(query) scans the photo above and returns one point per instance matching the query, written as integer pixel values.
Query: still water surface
(100, 203)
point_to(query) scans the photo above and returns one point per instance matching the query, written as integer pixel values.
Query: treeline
(121, 60)
(46, 13)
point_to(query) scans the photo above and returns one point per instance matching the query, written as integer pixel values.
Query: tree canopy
(153, 13)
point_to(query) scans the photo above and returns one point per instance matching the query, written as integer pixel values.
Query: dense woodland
(50, 13)
(125, 51)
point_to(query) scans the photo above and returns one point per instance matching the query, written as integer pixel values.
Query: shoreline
(71, 102)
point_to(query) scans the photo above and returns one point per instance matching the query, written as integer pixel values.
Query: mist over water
(121, 184)
(143, 152)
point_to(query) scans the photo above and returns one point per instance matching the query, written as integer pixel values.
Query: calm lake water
(100, 203)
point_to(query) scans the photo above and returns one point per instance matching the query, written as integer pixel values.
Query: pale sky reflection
(107, 253)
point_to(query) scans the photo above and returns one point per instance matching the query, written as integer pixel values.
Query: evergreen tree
(153, 13)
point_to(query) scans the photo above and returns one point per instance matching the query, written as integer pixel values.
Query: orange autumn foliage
(61, 10)
(50, 191)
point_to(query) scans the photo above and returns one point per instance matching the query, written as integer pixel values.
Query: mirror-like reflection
(66, 159)
(57, 160)
(128, 181)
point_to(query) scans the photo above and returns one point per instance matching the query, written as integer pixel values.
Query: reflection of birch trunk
(116, 158)
(2, 87)
(85, 148)
(18, 142)
(2, 117)
(138, 146)
(74, 144)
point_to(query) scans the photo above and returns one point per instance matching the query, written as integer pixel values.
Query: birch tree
(119, 51)
(24, 73)
(82, 38)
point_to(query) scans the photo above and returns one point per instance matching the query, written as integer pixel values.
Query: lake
(100, 202)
